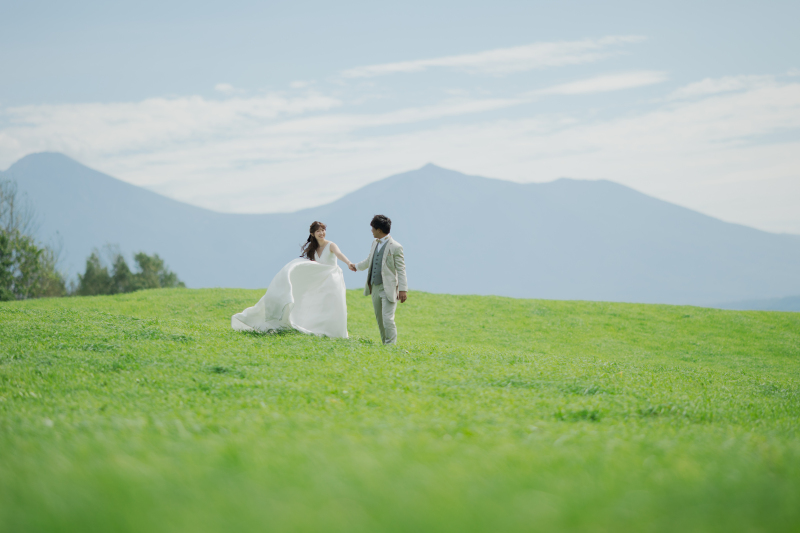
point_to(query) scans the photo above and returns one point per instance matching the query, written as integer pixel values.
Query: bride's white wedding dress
(308, 296)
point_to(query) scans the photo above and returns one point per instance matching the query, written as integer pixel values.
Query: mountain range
(462, 234)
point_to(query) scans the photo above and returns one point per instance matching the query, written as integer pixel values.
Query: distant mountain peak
(565, 239)
(46, 156)
(44, 159)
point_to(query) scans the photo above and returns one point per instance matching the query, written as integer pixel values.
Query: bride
(308, 294)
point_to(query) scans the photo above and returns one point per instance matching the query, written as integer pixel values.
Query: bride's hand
(352, 267)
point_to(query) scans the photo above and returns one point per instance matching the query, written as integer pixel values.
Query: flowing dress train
(308, 296)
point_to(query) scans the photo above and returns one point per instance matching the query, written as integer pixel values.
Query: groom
(386, 280)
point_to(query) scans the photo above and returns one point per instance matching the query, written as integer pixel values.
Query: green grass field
(145, 412)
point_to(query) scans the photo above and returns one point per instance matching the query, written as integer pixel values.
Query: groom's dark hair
(382, 223)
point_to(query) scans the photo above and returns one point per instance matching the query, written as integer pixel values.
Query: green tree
(153, 273)
(6, 268)
(122, 279)
(52, 282)
(28, 265)
(28, 270)
(96, 279)
(99, 279)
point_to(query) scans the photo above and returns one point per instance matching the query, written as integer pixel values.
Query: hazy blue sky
(258, 107)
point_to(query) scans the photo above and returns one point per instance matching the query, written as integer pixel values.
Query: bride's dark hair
(309, 249)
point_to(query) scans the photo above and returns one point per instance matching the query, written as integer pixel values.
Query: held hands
(403, 296)
(352, 267)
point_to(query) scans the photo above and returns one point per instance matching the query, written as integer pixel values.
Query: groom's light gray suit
(385, 283)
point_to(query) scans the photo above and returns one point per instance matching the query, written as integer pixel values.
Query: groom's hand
(352, 267)
(403, 296)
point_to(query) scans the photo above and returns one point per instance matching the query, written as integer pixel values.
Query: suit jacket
(393, 269)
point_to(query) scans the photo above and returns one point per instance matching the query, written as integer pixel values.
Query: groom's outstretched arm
(363, 265)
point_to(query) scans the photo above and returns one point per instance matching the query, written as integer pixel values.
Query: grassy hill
(145, 412)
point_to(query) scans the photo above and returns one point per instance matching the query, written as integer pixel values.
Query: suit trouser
(384, 314)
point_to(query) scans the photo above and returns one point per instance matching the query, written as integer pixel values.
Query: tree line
(30, 269)
(118, 278)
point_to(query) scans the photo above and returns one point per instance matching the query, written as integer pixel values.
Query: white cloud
(720, 85)
(157, 125)
(276, 153)
(225, 88)
(611, 82)
(506, 60)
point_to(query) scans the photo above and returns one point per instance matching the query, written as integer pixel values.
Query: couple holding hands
(308, 294)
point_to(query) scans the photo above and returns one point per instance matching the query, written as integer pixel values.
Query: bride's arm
(338, 253)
